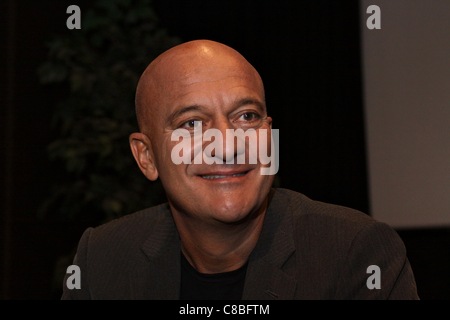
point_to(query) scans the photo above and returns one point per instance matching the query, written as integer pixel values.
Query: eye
(248, 116)
(191, 124)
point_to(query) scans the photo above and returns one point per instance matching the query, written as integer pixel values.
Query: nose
(224, 148)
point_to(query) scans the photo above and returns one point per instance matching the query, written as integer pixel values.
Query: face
(220, 98)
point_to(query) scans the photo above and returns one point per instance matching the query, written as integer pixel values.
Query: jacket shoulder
(114, 250)
(135, 227)
(334, 247)
(320, 213)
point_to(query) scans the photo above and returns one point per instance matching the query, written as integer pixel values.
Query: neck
(215, 247)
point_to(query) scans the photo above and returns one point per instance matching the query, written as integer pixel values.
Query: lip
(224, 175)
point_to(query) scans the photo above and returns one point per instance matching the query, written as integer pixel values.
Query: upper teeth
(218, 177)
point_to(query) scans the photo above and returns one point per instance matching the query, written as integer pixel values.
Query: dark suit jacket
(306, 250)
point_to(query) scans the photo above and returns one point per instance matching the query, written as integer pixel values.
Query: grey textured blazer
(306, 250)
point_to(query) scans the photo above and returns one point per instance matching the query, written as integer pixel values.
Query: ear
(269, 121)
(141, 148)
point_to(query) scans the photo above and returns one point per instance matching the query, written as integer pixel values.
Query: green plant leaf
(101, 64)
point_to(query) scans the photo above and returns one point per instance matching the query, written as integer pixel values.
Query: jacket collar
(161, 279)
(264, 279)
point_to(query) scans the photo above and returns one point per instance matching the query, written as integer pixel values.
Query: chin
(234, 211)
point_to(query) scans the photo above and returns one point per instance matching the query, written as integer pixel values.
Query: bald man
(225, 233)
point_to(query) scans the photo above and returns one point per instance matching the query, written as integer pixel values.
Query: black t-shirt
(217, 286)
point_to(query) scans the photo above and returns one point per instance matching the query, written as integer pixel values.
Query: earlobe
(141, 148)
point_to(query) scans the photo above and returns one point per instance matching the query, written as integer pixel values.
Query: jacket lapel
(160, 278)
(265, 278)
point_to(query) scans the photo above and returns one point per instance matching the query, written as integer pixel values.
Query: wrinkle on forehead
(187, 64)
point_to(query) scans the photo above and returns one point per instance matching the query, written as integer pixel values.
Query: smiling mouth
(211, 176)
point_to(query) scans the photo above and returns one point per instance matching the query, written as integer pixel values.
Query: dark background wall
(308, 54)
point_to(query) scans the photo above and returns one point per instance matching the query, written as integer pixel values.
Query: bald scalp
(182, 64)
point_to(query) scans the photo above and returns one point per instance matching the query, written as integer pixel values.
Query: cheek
(163, 159)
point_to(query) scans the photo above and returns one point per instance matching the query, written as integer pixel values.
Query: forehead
(211, 84)
(180, 75)
(210, 97)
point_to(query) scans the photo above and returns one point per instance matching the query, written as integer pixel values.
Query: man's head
(209, 82)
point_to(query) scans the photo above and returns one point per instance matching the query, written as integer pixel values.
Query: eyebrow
(246, 101)
(240, 103)
(180, 112)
